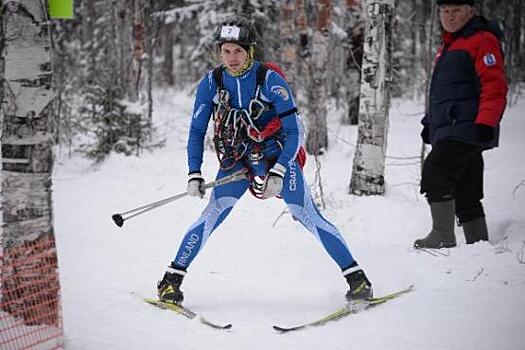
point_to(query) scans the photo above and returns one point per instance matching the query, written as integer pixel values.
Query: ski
(350, 308)
(181, 310)
(435, 252)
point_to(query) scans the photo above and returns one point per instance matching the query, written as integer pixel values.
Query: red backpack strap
(275, 67)
(301, 157)
(275, 124)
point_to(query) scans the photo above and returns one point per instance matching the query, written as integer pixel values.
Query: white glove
(273, 184)
(196, 185)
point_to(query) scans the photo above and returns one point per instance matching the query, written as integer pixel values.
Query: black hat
(455, 2)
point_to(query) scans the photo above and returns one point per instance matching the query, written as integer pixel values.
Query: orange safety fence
(30, 311)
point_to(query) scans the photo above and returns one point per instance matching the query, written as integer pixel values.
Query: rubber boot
(475, 230)
(442, 234)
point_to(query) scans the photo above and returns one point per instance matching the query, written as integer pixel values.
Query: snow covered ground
(255, 275)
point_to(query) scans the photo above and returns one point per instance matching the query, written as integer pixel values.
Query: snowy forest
(96, 108)
(113, 53)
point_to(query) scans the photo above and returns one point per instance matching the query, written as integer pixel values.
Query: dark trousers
(454, 170)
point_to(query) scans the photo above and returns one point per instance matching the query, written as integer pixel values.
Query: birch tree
(317, 137)
(289, 47)
(354, 48)
(135, 69)
(27, 235)
(302, 50)
(2, 60)
(368, 172)
(168, 42)
(429, 55)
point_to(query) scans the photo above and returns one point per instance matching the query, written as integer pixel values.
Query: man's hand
(484, 133)
(273, 184)
(196, 185)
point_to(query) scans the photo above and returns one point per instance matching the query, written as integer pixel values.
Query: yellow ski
(350, 308)
(181, 310)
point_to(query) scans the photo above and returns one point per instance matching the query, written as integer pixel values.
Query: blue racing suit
(277, 94)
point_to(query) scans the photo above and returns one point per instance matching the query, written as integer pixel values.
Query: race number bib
(230, 32)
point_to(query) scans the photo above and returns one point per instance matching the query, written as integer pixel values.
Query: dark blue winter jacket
(468, 85)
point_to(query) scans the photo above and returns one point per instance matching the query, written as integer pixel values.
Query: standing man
(256, 128)
(467, 99)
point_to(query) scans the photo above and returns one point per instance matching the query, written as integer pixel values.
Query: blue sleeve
(202, 111)
(280, 95)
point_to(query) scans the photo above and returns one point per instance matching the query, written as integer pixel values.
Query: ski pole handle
(119, 218)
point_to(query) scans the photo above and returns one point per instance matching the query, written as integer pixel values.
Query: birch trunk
(120, 34)
(302, 52)
(517, 33)
(30, 285)
(429, 55)
(152, 28)
(368, 172)
(289, 49)
(317, 138)
(2, 66)
(135, 70)
(352, 77)
(168, 42)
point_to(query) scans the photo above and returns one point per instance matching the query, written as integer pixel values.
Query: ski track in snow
(254, 275)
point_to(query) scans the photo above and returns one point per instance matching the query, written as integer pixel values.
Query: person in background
(256, 128)
(467, 100)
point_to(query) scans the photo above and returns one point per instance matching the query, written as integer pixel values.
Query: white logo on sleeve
(199, 111)
(281, 92)
(489, 59)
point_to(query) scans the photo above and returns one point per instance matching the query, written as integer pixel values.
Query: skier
(467, 99)
(258, 128)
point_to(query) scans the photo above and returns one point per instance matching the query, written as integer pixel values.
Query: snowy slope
(255, 275)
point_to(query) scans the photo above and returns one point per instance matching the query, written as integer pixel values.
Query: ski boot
(360, 286)
(169, 288)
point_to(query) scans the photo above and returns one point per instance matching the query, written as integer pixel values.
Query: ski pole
(119, 218)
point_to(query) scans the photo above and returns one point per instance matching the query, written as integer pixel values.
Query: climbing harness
(237, 137)
(235, 130)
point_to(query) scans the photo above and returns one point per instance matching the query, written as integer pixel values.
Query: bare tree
(354, 56)
(317, 137)
(30, 284)
(428, 69)
(2, 60)
(303, 49)
(136, 66)
(369, 160)
(289, 44)
(168, 42)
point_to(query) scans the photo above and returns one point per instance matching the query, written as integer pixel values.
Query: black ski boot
(169, 288)
(442, 233)
(475, 230)
(360, 286)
